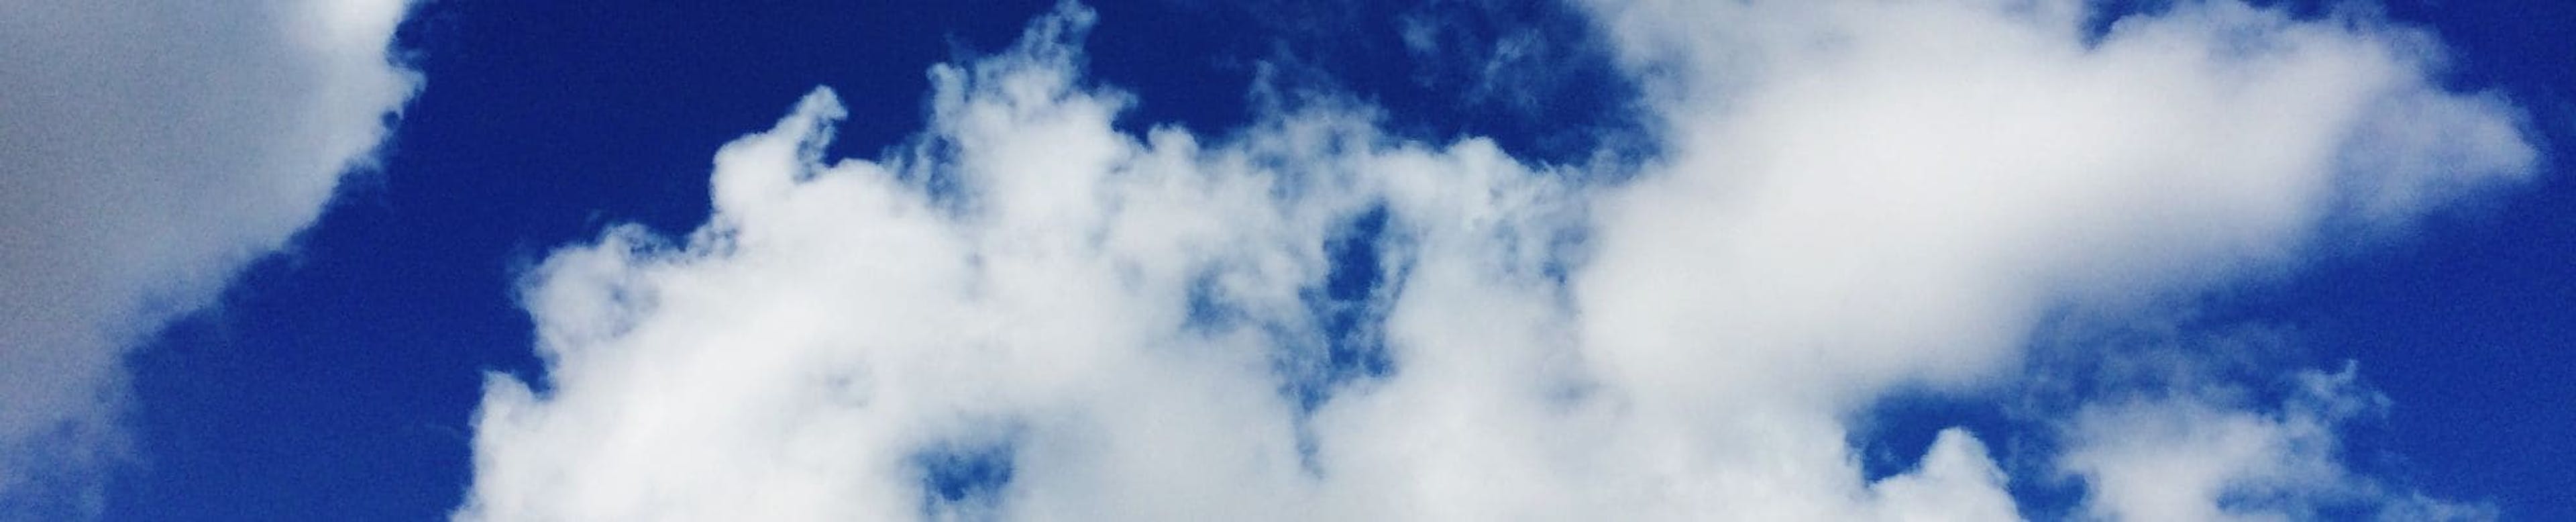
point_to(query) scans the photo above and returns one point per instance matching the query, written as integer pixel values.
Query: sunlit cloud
(1026, 313)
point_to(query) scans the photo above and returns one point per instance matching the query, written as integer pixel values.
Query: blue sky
(1467, 239)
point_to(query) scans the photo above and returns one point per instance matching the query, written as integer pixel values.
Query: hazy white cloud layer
(149, 149)
(1028, 314)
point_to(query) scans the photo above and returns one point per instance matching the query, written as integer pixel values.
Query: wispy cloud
(1026, 313)
(151, 149)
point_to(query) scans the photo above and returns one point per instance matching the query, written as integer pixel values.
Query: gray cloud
(151, 149)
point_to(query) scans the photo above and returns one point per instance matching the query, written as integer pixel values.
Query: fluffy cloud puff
(151, 149)
(1028, 314)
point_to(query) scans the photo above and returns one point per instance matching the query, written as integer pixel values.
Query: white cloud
(151, 149)
(2191, 457)
(1859, 197)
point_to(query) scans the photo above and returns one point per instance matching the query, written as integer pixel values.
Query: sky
(1157, 259)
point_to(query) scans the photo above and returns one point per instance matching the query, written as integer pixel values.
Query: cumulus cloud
(151, 149)
(1028, 314)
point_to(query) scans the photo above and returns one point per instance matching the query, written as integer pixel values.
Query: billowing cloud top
(151, 148)
(1028, 314)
